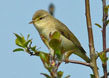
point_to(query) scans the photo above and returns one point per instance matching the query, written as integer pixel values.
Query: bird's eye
(41, 18)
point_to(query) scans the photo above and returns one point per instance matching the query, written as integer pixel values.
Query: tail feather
(82, 55)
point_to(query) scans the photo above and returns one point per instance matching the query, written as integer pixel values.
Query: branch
(89, 27)
(107, 50)
(107, 75)
(77, 62)
(104, 65)
(91, 41)
(104, 25)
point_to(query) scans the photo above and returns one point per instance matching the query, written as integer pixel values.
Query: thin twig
(104, 65)
(107, 50)
(77, 62)
(91, 41)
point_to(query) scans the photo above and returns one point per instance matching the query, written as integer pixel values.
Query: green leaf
(98, 25)
(20, 41)
(67, 76)
(106, 9)
(54, 44)
(107, 22)
(60, 74)
(92, 76)
(45, 59)
(102, 57)
(26, 43)
(20, 38)
(55, 35)
(33, 48)
(46, 75)
(59, 54)
(18, 49)
(28, 36)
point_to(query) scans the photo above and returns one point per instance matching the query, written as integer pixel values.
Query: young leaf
(45, 59)
(18, 49)
(46, 75)
(20, 41)
(54, 44)
(55, 35)
(28, 36)
(92, 76)
(106, 9)
(33, 48)
(60, 74)
(102, 57)
(59, 54)
(107, 22)
(67, 76)
(20, 38)
(26, 43)
(98, 25)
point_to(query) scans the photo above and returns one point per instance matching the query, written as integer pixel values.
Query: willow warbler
(46, 24)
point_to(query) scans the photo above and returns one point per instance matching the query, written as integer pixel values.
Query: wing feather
(68, 34)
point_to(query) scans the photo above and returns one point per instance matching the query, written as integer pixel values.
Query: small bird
(46, 24)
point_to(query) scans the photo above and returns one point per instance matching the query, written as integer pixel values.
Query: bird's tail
(81, 53)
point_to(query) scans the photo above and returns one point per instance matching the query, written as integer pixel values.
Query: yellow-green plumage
(46, 24)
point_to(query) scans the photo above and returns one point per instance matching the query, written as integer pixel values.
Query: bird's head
(40, 19)
(39, 16)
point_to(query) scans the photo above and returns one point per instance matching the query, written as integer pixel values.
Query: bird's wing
(68, 34)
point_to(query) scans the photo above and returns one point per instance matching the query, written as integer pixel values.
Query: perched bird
(46, 24)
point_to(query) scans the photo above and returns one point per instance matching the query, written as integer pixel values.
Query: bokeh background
(14, 18)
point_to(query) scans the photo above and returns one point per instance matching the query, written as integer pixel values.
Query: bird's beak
(31, 22)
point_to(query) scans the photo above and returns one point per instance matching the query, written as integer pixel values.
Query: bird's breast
(47, 31)
(47, 28)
